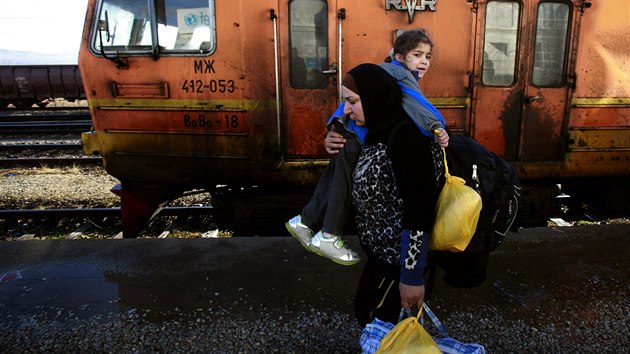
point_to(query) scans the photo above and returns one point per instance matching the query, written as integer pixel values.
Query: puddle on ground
(69, 291)
(56, 291)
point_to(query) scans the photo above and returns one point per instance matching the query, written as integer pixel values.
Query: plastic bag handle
(446, 173)
(436, 322)
(405, 313)
(450, 178)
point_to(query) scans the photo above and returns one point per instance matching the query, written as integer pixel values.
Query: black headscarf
(381, 99)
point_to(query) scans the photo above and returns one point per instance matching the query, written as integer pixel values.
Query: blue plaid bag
(449, 345)
(372, 335)
(375, 331)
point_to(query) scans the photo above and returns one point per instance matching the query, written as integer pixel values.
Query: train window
(141, 27)
(499, 49)
(552, 28)
(186, 25)
(308, 38)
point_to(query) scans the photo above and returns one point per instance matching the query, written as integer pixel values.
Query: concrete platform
(543, 278)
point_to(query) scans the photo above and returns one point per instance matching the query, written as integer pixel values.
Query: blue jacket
(426, 117)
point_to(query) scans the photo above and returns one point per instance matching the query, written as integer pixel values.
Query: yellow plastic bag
(408, 337)
(457, 213)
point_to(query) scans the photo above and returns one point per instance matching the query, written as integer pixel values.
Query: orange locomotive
(207, 93)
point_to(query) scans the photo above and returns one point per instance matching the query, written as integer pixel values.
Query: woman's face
(418, 59)
(353, 108)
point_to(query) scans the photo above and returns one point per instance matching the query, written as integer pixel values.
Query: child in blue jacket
(329, 207)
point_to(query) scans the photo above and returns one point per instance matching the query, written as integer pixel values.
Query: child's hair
(409, 40)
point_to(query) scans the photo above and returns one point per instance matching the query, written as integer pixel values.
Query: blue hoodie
(426, 117)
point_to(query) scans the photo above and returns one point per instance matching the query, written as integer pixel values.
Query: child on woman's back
(329, 207)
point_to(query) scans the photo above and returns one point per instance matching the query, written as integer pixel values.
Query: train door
(522, 83)
(308, 72)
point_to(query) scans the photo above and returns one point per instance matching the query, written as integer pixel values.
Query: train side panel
(599, 121)
(544, 83)
(157, 110)
(189, 119)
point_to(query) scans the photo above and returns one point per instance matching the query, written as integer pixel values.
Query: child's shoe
(333, 247)
(299, 231)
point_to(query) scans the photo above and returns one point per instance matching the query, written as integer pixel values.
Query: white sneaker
(299, 231)
(333, 247)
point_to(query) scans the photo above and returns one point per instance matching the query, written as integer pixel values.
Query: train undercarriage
(263, 210)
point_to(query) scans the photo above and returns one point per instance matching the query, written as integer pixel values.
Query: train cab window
(552, 28)
(499, 49)
(141, 27)
(308, 38)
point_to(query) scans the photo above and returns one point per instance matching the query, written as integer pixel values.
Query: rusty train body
(233, 96)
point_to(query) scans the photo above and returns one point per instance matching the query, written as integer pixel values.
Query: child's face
(353, 108)
(418, 59)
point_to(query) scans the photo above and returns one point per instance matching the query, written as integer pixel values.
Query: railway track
(97, 212)
(81, 114)
(48, 137)
(77, 223)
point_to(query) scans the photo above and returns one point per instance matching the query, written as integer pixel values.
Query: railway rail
(49, 161)
(66, 113)
(76, 223)
(97, 212)
(52, 123)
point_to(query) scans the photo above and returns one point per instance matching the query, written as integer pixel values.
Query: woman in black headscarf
(396, 184)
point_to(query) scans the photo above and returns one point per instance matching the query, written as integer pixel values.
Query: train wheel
(537, 204)
(138, 203)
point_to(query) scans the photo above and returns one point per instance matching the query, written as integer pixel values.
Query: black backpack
(495, 180)
(498, 184)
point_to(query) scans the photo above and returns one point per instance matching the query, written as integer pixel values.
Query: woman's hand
(411, 295)
(441, 136)
(334, 142)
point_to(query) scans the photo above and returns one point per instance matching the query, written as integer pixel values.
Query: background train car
(233, 96)
(25, 85)
(39, 49)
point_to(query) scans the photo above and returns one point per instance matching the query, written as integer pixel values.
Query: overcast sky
(40, 31)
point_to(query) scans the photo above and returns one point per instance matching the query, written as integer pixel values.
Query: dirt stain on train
(542, 139)
(510, 118)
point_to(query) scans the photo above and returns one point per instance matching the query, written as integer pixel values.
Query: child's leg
(340, 190)
(329, 206)
(314, 211)
(304, 226)
(329, 242)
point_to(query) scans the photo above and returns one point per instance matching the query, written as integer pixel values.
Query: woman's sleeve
(414, 172)
(338, 113)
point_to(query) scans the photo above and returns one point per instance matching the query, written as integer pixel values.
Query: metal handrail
(274, 18)
(341, 15)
